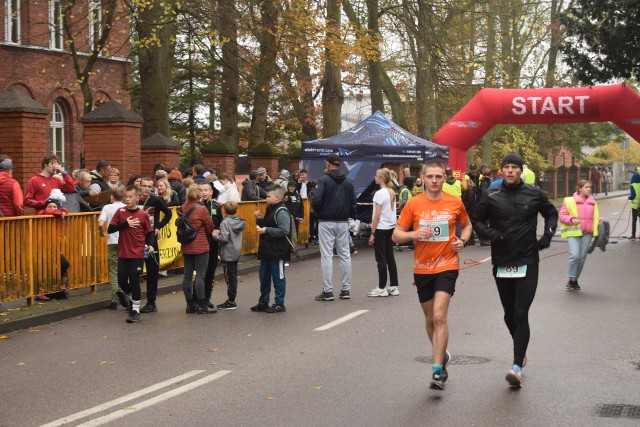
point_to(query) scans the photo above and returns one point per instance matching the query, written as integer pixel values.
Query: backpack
(186, 233)
(292, 238)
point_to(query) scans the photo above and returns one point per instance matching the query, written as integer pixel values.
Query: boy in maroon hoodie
(136, 233)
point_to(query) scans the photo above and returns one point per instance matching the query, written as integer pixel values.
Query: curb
(78, 305)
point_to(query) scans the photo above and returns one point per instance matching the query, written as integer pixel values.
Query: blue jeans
(578, 247)
(272, 269)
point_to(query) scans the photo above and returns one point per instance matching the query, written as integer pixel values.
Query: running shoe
(325, 296)
(344, 295)
(134, 317)
(276, 308)
(438, 379)
(575, 285)
(631, 238)
(447, 358)
(514, 376)
(261, 306)
(570, 286)
(377, 292)
(393, 291)
(228, 305)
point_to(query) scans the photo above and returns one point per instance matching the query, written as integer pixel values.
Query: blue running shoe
(514, 376)
(438, 379)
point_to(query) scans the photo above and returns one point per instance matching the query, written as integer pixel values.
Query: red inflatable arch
(616, 103)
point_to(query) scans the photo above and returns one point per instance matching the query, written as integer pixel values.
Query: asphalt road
(239, 368)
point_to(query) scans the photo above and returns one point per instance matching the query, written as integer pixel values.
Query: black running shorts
(428, 284)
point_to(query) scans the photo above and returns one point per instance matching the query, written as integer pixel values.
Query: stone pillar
(224, 162)
(158, 149)
(268, 162)
(24, 125)
(295, 165)
(112, 133)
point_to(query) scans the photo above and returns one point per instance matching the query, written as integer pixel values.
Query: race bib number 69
(439, 230)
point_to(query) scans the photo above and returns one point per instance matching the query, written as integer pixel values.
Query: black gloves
(544, 242)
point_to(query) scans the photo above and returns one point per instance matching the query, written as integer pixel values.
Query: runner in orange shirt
(433, 216)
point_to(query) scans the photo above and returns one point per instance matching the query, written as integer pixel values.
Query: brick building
(36, 61)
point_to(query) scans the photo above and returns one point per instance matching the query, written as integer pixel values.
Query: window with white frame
(55, 24)
(12, 21)
(57, 130)
(95, 22)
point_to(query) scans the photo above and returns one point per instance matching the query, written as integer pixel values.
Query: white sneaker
(393, 291)
(377, 292)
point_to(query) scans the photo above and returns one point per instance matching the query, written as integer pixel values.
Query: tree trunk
(228, 26)
(156, 64)
(332, 93)
(490, 69)
(425, 101)
(398, 109)
(264, 72)
(374, 66)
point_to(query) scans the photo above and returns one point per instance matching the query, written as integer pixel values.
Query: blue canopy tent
(367, 146)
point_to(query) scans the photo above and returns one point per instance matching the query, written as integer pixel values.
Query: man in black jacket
(334, 202)
(507, 216)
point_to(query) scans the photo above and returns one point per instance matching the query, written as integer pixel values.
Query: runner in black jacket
(508, 217)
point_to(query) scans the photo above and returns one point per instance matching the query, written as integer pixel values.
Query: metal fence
(30, 260)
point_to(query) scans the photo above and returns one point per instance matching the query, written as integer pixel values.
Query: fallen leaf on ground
(21, 364)
(104, 362)
(4, 314)
(4, 337)
(270, 398)
(212, 350)
(318, 387)
(73, 362)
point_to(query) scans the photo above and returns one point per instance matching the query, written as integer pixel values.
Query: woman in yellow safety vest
(579, 219)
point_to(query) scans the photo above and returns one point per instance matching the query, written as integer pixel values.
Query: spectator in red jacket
(11, 200)
(40, 185)
(196, 252)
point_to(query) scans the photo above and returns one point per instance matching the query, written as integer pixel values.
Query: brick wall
(117, 142)
(149, 157)
(270, 163)
(220, 162)
(21, 136)
(47, 75)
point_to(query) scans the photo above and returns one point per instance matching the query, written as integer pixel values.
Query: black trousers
(516, 296)
(230, 269)
(129, 270)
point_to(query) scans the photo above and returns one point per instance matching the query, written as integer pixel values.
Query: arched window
(57, 131)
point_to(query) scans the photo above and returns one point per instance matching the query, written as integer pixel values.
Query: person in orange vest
(579, 219)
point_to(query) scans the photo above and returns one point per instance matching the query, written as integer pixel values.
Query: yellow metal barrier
(30, 259)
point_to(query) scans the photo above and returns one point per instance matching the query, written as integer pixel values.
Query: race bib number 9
(512, 272)
(439, 230)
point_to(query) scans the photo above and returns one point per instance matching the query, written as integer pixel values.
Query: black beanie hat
(512, 159)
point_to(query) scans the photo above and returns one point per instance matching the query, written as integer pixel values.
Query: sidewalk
(16, 315)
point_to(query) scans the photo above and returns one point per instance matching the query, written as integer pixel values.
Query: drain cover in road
(618, 411)
(456, 359)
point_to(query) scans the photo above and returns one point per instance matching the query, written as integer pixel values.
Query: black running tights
(516, 296)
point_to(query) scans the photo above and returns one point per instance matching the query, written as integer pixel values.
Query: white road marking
(154, 400)
(121, 400)
(341, 320)
(486, 259)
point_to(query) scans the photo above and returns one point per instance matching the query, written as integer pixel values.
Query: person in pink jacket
(579, 223)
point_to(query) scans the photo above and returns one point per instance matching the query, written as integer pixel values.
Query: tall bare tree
(264, 71)
(228, 26)
(332, 92)
(156, 28)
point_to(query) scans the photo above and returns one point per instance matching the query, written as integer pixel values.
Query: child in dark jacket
(229, 235)
(293, 202)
